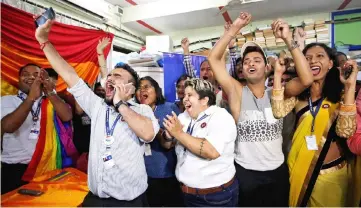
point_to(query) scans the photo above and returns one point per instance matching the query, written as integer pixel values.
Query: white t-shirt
(219, 129)
(18, 147)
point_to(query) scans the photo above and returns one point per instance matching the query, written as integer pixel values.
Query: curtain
(173, 68)
(18, 47)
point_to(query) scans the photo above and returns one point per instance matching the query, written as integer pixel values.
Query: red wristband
(100, 54)
(42, 45)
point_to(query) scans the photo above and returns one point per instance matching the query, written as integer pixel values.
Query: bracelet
(42, 45)
(294, 45)
(100, 54)
(51, 93)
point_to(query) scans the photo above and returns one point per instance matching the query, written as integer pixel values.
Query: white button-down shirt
(219, 129)
(17, 146)
(128, 178)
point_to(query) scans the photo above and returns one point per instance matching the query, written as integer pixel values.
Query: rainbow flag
(55, 148)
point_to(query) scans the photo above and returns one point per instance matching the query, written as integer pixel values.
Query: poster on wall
(173, 68)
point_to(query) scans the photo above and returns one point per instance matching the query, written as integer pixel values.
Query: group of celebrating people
(221, 144)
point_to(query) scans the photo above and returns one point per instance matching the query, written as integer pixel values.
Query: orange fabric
(66, 191)
(76, 45)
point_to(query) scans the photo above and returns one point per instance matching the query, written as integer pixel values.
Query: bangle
(100, 54)
(51, 93)
(42, 45)
(293, 45)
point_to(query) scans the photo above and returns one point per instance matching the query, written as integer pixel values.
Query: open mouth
(109, 90)
(315, 70)
(251, 70)
(143, 98)
(205, 78)
(187, 106)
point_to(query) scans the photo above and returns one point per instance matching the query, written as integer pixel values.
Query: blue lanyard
(37, 111)
(314, 112)
(190, 127)
(110, 131)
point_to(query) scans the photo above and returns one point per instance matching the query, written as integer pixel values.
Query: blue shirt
(162, 162)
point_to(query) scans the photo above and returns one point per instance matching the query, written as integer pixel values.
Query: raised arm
(231, 87)
(232, 53)
(190, 71)
(12, 121)
(346, 120)
(57, 62)
(305, 78)
(299, 35)
(280, 106)
(103, 43)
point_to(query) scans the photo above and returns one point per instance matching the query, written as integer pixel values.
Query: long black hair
(333, 86)
(158, 91)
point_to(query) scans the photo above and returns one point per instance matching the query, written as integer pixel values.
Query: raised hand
(279, 66)
(242, 20)
(227, 26)
(185, 43)
(351, 80)
(48, 85)
(123, 92)
(35, 89)
(299, 35)
(281, 29)
(172, 125)
(42, 32)
(102, 44)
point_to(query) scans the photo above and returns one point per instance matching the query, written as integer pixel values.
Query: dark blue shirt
(162, 162)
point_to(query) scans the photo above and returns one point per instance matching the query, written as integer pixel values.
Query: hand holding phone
(48, 14)
(347, 72)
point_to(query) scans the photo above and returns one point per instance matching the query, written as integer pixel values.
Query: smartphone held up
(48, 14)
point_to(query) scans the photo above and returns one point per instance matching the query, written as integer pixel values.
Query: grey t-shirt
(259, 138)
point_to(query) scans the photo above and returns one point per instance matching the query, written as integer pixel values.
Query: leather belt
(190, 190)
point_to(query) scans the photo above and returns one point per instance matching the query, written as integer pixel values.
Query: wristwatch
(51, 93)
(121, 102)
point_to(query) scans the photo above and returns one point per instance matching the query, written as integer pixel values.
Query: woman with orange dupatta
(319, 156)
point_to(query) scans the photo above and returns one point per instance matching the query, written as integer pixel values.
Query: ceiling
(149, 17)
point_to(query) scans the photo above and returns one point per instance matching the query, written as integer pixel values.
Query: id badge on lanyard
(108, 141)
(311, 140)
(35, 130)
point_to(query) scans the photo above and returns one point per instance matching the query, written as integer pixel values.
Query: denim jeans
(228, 197)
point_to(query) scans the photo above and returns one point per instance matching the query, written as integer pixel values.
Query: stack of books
(260, 40)
(248, 35)
(322, 34)
(280, 42)
(241, 40)
(270, 38)
(310, 31)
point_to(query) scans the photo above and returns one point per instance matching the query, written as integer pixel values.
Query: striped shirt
(128, 178)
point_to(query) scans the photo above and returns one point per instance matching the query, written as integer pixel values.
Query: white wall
(212, 32)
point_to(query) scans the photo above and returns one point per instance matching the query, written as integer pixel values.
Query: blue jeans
(228, 197)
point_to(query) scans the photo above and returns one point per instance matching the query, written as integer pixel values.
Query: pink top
(354, 142)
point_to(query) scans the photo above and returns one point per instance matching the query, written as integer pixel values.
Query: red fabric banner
(18, 47)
